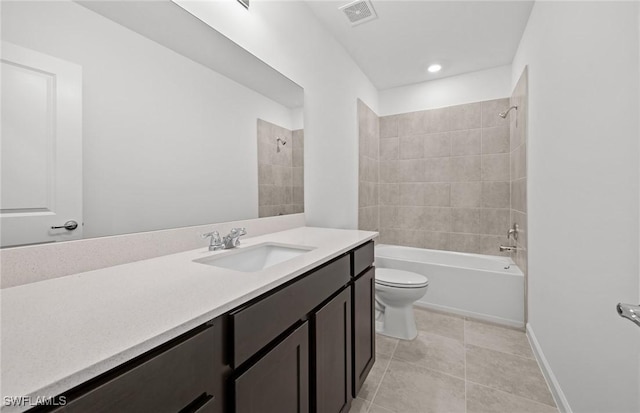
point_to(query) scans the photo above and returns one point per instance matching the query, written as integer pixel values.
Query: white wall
(583, 159)
(287, 36)
(471, 87)
(167, 142)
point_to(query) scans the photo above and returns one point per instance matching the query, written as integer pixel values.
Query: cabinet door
(332, 338)
(170, 380)
(279, 381)
(364, 333)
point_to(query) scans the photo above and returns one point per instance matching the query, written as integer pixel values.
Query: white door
(40, 146)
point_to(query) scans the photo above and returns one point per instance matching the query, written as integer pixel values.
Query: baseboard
(552, 381)
(478, 316)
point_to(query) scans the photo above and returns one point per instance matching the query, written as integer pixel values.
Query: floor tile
(497, 338)
(513, 374)
(481, 399)
(385, 345)
(359, 406)
(377, 409)
(374, 378)
(441, 324)
(434, 352)
(410, 388)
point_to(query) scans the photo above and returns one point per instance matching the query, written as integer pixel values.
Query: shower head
(280, 141)
(504, 114)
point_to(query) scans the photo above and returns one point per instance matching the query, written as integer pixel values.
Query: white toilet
(396, 291)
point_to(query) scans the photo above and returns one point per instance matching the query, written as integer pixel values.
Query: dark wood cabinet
(331, 365)
(306, 346)
(180, 376)
(364, 332)
(279, 381)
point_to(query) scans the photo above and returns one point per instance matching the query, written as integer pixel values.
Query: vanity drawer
(165, 380)
(257, 324)
(362, 258)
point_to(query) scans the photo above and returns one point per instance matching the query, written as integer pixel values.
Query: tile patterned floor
(455, 365)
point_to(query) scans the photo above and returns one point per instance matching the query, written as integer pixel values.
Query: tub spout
(509, 248)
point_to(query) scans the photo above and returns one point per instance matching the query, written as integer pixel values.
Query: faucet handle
(236, 233)
(215, 235)
(216, 241)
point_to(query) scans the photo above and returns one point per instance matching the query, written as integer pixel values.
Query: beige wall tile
(411, 217)
(466, 194)
(437, 144)
(389, 194)
(495, 140)
(411, 147)
(466, 168)
(389, 149)
(437, 193)
(490, 245)
(389, 217)
(411, 194)
(519, 195)
(411, 170)
(466, 142)
(490, 110)
(495, 221)
(388, 126)
(437, 169)
(411, 238)
(495, 195)
(495, 167)
(437, 120)
(298, 139)
(467, 116)
(436, 240)
(465, 220)
(389, 171)
(519, 162)
(464, 242)
(411, 124)
(436, 219)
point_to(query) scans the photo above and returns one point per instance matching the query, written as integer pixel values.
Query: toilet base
(397, 323)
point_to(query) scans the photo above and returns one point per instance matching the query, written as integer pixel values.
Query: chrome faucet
(513, 232)
(216, 242)
(232, 240)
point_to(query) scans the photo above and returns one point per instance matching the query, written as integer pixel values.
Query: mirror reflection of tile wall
(280, 170)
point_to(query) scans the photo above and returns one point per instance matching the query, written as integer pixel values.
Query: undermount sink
(255, 258)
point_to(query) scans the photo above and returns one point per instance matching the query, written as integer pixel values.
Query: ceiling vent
(359, 11)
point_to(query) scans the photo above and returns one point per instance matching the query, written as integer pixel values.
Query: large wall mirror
(130, 116)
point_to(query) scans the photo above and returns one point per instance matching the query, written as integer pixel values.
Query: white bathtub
(480, 286)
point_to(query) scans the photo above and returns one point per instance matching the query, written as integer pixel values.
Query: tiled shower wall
(445, 178)
(368, 185)
(280, 174)
(518, 126)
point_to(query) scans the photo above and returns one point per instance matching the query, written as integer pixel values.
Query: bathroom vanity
(300, 337)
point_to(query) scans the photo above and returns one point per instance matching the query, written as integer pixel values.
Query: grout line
(513, 394)
(384, 373)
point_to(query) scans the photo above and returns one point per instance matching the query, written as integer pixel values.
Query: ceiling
(408, 36)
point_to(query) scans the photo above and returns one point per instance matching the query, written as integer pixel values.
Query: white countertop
(61, 332)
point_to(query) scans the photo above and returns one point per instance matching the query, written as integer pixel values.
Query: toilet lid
(399, 278)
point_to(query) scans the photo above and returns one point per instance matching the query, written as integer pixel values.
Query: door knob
(69, 225)
(630, 312)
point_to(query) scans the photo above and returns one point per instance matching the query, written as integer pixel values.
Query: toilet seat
(400, 279)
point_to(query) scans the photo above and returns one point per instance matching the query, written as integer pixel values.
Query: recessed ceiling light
(434, 68)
